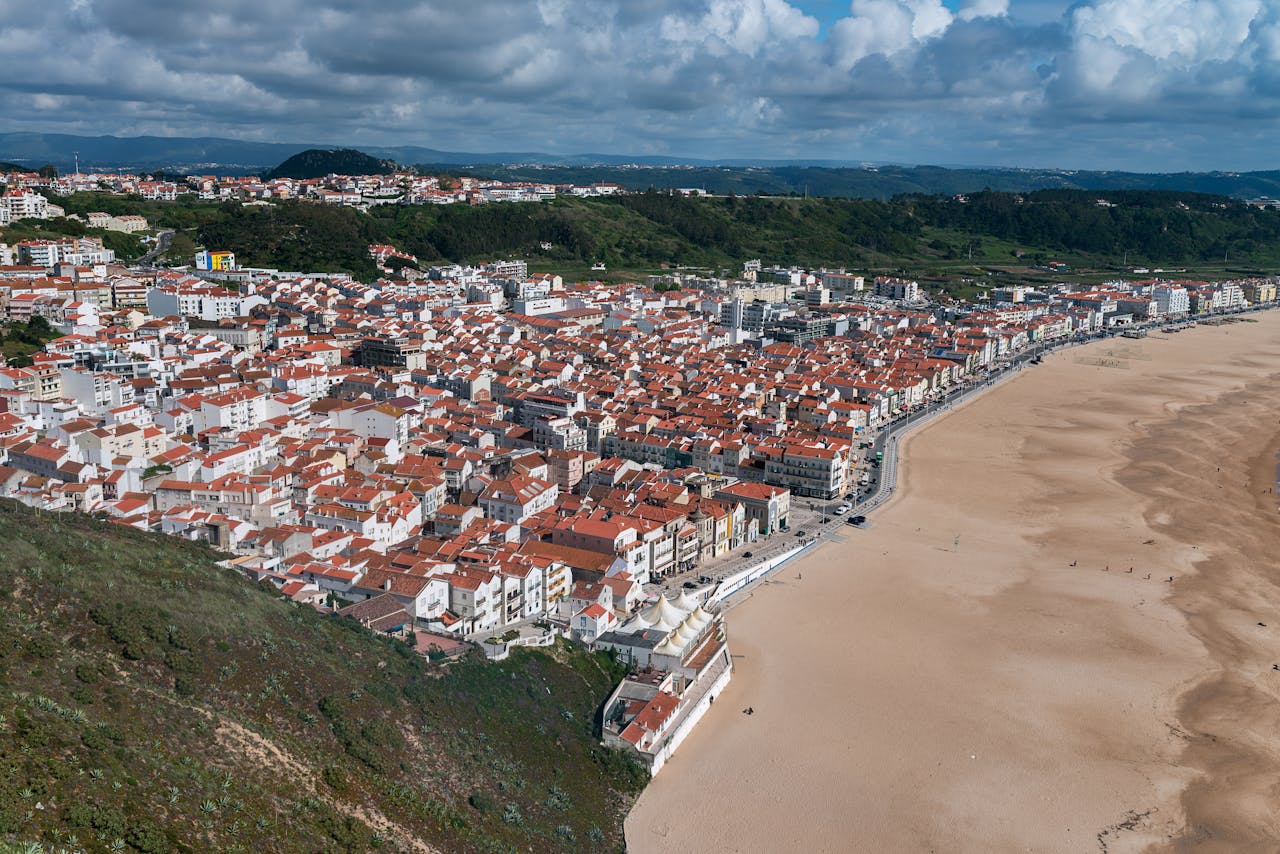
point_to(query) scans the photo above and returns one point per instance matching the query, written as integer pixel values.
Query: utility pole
(955, 544)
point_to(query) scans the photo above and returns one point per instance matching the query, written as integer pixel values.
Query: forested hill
(317, 162)
(644, 231)
(153, 701)
(879, 182)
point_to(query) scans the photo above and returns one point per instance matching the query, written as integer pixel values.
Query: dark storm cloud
(1102, 83)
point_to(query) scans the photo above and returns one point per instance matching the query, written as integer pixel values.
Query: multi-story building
(767, 505)
(1171, 299)
(897, 289)
(808, 471)
(517, 498)
(384, 351)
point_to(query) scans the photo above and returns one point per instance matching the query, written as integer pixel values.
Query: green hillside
(922, 235)
(319, 162)
(646, 231)
(876, 182)
(153, 701)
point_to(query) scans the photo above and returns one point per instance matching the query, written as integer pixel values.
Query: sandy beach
(1000, 663)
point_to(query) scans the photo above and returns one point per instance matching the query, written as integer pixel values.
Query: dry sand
(912, 694)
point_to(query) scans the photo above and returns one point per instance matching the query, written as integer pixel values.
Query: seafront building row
(478, 453)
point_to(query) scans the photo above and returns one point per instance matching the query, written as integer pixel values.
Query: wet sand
(948, 681)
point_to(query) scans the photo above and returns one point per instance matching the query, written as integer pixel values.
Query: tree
(48, 171)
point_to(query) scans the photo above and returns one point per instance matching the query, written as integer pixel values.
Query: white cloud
(886, 28)
(893, 79)
(1185, 32)
(975, 9)
(745, 26)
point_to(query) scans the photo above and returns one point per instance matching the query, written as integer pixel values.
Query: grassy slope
(152, 697)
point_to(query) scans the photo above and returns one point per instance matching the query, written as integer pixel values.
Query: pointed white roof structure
(663, 625)
(692, 626)
(663, 611)
(637, 624)
(685, 602)
(667, 648)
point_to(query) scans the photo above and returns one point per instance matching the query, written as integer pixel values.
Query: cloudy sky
(1128, 84)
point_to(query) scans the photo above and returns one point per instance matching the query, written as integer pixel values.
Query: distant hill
(318, 162)
(876, 182)
(850, 179)
(153, 701)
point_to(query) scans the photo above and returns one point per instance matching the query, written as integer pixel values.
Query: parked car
(801, 533)
(748, 554)
(689, 585)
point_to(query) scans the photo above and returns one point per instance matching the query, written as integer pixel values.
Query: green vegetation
(186, 212)
(295, 236)
(19, 342)
(317, 162)
(126, 246)
(878, 182)
(932, 237)
(153, 701)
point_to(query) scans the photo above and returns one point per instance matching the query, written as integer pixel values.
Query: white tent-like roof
(692, 626)
(685, 602)
(637, 624)
(663, 611)
(667, 648)
(703, 617)
(663, 625)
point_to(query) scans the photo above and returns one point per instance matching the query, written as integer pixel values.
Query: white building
(1171, 299)
(203, 301)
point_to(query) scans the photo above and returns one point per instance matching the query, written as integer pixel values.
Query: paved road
(157, 249)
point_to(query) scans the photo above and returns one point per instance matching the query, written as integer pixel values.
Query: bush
(481, 801)
(335, 778)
